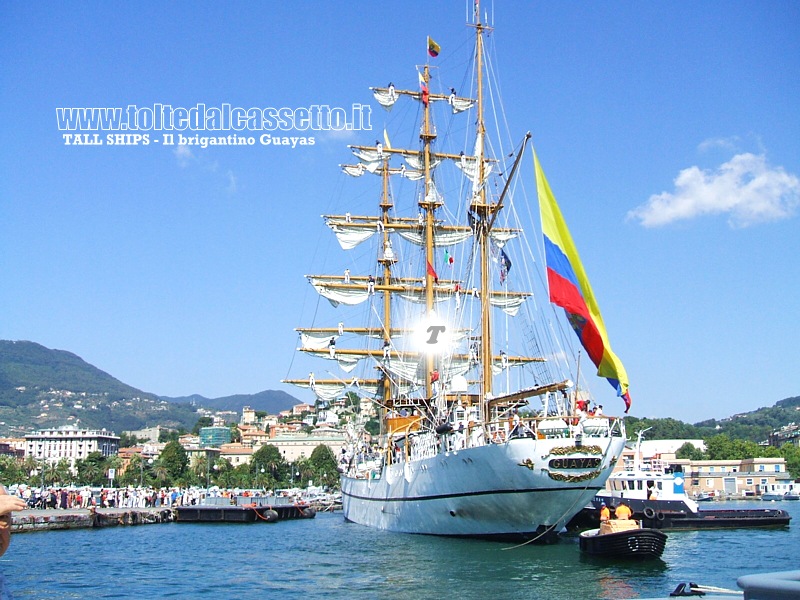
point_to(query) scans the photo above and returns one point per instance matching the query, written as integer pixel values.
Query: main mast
(480, 204)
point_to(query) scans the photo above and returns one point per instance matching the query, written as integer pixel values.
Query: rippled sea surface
(326, 557)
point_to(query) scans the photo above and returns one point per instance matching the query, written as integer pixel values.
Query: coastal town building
(282, 429)
(196, 454)
(742, 478)
(215, 436)
(70, 443)
(11, 446)
(749, 477)
(189, 440)
(7, 449)
(299, 409)
(252, 435)
(295, 446)
(248, 416)
(150, 434)
(788, 434)
(236, 454)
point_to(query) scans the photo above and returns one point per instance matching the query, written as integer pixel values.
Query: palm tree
(161, 473)
(91, 473)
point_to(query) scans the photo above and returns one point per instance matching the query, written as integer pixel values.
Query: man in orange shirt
(622, 511)
(605, 513)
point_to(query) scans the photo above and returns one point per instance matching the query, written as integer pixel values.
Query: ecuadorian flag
(570, 289)
(433, 47)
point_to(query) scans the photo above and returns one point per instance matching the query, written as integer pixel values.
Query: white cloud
(745, 188)
(232, 187)
(183, 154)
(731, 144)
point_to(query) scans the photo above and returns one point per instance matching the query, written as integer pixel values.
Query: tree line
(267, 469)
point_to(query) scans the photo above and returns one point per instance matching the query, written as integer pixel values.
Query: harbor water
(327, 557)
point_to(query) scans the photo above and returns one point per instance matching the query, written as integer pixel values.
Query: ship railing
(554, 427)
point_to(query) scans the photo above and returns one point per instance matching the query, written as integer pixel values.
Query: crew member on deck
(622, 512)
(605, 513)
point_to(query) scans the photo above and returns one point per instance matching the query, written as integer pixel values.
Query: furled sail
(440, 237)
(386, 97)
(469, 166)
(508, 304)
(348, 235)
(315, 340)
(415, 162)
(339, 294)
(332, 391)
(375, 168)
(347, 362)
(460, 104)
(409, 369)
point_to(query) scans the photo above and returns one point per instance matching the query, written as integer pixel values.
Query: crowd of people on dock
(142, 497)
(129, 497)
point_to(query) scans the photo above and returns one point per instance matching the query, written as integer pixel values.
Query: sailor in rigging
(371, 285)
(332, 347)
(387, 350)
(388, 253)
(435, 382)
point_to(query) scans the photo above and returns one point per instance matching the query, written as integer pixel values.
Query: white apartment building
(71, 443)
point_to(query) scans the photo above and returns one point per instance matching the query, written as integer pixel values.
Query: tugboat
(657, 497)
(623, 538)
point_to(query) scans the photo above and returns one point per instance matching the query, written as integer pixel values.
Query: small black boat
(623, 539)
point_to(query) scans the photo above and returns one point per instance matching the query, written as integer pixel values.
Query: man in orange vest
(605, 513)
(622, 511)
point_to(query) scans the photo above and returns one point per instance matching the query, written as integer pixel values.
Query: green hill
(270, 401)
(41, 387)
(754, 426)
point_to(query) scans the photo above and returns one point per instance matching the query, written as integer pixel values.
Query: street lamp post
(141, 469)
(208, 470)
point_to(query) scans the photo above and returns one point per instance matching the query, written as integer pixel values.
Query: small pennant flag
(448, 258)
(432, 272)
(386, 143)
(424, 87)
(433, 48)
(505, 266)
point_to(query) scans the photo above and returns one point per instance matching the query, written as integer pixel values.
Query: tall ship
(454, 349)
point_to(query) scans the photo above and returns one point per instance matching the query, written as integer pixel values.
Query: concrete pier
(82, 518)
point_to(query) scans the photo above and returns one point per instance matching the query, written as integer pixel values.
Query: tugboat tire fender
(650, 513)
(659, 516)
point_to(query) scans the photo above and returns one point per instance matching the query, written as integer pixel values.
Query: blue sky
(669, 132)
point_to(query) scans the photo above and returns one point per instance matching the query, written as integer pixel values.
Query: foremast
(428, 203)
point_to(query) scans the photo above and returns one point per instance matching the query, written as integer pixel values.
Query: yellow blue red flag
(433, 48)
(570, 289)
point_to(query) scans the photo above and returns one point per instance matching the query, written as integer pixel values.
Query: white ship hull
(500, 491)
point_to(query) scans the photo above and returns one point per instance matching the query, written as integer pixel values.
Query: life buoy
(660, 516)
(649, 512)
